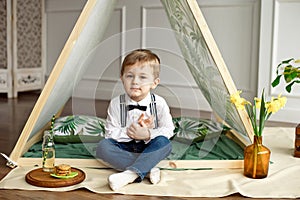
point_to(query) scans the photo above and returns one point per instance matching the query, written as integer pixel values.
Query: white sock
(155, 175)
(118, 180)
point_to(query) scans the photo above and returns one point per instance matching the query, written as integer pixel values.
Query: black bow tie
(131, 107)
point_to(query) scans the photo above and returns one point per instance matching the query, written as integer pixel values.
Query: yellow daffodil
(276, 104)
(272, 106)
(282, 100)
(238, 101)
(265, 109)
(257, 102)
(235, 97)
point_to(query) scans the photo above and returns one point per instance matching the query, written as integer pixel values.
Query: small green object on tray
(72, 175)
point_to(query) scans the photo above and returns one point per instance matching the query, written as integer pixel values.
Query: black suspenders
(153, 110)
(123, 110)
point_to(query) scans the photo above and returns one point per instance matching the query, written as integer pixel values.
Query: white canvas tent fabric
(69, 69)
(204, 61)
(75, 66)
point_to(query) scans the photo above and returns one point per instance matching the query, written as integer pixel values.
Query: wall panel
(279, 41)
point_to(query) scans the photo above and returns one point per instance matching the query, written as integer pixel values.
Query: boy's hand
(140, 131)
(146, 122)
(137, 132)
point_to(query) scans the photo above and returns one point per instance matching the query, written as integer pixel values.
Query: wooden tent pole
(16, 153)
(218, 59)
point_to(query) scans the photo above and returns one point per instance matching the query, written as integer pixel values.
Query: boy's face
(138, 80)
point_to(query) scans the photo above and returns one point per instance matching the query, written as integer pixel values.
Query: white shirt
(113, 127)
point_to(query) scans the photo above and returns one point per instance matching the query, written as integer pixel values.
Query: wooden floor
(13, 116)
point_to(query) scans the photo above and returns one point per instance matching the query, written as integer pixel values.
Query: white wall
(279, 41)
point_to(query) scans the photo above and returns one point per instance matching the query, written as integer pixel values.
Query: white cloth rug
(283, 180)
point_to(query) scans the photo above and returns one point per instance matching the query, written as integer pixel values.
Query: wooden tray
(38, 177)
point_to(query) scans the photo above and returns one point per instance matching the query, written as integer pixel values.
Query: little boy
(138, 125)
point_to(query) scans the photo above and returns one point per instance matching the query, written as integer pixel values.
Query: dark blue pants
(136, 156)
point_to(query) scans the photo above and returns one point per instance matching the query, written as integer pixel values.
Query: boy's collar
(144, 102)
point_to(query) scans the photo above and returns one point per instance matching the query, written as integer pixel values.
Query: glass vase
(256, 159)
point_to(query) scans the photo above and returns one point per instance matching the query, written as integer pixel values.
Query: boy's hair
(142, 56)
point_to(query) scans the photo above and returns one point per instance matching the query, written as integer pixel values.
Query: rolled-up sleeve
(113, 127)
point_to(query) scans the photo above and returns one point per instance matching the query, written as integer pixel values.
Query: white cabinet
(22, 66)
(5, 48)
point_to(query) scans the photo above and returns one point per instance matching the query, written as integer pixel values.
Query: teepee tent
(198, 47)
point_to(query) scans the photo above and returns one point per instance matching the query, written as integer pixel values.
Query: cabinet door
(5, 47)
(28, 64)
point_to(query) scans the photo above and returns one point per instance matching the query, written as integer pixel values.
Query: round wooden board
(38, 177)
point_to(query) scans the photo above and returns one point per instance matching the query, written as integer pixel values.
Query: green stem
(255, 158)
(45, 152)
